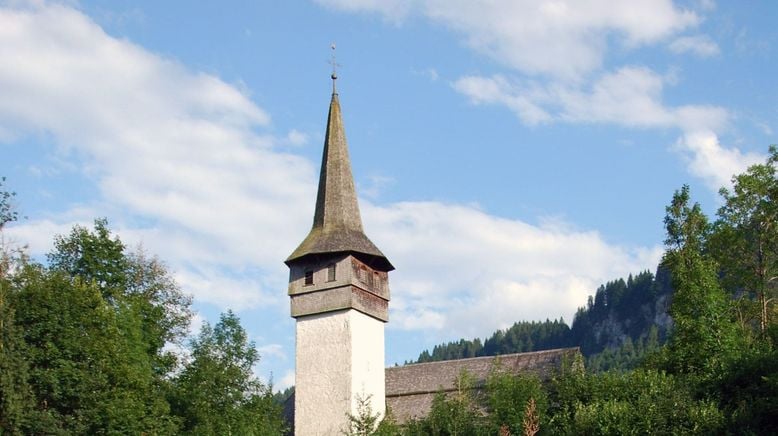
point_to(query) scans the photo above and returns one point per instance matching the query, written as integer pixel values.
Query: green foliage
(388, 426)
(15, 400)
(369, 423)
(638, 402)
(622, 309)
(160, 305)
(507, 398)
(7, 212)
(15, 394)
(217, 393)
(745, 241)
(86, 376)
(748, 392)
(704, 336)
(574, 402)
(522, 336)
(137, 285)
(82, 348)
(94, 256)
(147, 308)
(626, 357)
(282, 397)
(364, 423)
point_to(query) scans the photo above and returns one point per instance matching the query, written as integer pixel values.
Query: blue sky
(510, 156)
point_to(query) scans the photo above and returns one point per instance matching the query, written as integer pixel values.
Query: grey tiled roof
(411, 388)
(337, 225)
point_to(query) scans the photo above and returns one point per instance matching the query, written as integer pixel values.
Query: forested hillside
(622, 322)
(715, 373)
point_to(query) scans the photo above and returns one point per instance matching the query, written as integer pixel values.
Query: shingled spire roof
(337, 226)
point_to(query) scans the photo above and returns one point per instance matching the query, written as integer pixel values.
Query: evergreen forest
(625, 321)
(94, 341)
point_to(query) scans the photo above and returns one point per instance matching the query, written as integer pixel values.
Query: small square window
(308, 278)
(331, 272)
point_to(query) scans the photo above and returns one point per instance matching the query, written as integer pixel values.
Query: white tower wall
(340, 358)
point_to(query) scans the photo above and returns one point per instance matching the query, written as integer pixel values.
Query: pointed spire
(336, 202)
(337, 225)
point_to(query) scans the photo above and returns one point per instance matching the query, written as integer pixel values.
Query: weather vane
(335, 66)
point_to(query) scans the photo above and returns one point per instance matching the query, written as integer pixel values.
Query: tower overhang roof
(320, 242)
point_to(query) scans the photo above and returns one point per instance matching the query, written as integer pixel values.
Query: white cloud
(562, 38)
(296, 138)
(498, 90)
(700, 45)
(223, 290)
(455, 263)
(500, 304)
(712, 162)
(37, 235)
(430, 73)
(375, 185)
(286, 381)
(272, 350)
(631, 96)
(392, 10)
(196, 324)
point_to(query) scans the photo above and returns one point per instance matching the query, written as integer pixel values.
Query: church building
(339, 291)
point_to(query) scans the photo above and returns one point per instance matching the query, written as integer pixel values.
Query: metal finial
(335, 66)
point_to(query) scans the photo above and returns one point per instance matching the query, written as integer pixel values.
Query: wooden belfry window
(331, 273)
(308, 278)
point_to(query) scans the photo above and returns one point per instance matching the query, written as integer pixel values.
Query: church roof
(410, 389)
(337, 225)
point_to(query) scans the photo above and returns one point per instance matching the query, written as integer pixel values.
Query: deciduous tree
(15, 394)
(217, 392)
(704, 336)
(745, 241)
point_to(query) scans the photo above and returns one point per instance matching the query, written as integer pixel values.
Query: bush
(640, 402)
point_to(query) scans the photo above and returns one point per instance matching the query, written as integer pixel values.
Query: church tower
(339, 290)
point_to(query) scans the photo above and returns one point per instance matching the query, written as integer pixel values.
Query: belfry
(339, 290)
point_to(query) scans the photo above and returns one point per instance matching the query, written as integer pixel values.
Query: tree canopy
(83, 348)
